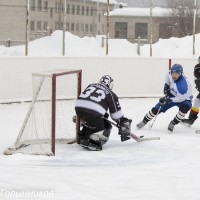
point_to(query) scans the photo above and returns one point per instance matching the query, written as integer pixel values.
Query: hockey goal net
(49, 118)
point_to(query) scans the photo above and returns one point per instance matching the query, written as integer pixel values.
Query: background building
(132, 23)
(83, 17)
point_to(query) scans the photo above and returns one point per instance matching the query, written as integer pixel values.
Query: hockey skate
(92, 146)
(141, 124)
(171, 126)
(187, 122)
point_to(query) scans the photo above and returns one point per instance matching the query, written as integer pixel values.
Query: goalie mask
(107, 80)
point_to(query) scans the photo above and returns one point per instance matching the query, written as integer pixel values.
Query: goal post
(49, 118)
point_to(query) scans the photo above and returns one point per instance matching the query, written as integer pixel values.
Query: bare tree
(182, 12)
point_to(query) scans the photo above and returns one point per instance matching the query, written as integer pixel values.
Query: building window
(32, 5)
(72, 26)
(51, 12)
(39, 5)
(57, 7)
(68, 8)
(99, 17)
(121, 29)
(86, 28)
(95, 12)
(67, 26)
(82, 10)
(73, 9)
(78, 10)
(82, 28)
(45, 26)
(46, 6)
(32, 25)
(141, 30)
(91, 11)
(77, 27)
(95, 28)
(91, 28)
(57, 25)
(62, 7)
(165, 31)
(102, 28)
(87, 11)
(39, 26)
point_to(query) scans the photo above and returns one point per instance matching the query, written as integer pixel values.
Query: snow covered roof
(143, 12)
(105, 1)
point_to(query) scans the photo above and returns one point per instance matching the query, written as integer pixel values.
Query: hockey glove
(164, 100)
(125, 128)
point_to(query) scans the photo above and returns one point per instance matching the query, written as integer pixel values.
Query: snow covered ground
(153, 170)
(92, 47)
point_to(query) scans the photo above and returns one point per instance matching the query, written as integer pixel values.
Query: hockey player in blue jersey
(178, 92)
(92, 106)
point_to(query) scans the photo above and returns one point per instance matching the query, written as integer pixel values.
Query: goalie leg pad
(101, 136)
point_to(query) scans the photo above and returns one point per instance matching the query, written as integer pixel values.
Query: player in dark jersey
(92, 106)
(196, 105)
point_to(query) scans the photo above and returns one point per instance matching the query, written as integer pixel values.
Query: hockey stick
(151, 125)
(133, 136)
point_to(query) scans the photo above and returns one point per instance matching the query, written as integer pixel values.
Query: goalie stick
(133, 136)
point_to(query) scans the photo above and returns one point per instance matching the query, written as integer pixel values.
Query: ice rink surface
(168, 169)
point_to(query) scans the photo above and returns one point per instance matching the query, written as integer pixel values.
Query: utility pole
(107, 27)
(64, 27)
(151, 26)
(27, 27)
(194, 24)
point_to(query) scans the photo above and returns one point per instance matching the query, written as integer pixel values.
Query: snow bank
(92, 47)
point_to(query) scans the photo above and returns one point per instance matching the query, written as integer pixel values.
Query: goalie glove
(125, 128)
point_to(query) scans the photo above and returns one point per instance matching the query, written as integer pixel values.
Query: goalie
(92, 106)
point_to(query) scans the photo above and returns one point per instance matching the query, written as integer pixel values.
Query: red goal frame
(54, 77)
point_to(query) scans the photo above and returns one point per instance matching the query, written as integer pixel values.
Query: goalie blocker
(125, 129)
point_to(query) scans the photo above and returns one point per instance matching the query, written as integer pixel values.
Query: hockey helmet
(177, 68)
(107, 80)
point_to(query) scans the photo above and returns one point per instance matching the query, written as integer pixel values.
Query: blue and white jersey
(180, 90)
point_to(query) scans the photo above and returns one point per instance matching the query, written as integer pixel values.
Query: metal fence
(10, 43)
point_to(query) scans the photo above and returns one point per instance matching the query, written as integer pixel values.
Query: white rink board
(134, 77)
